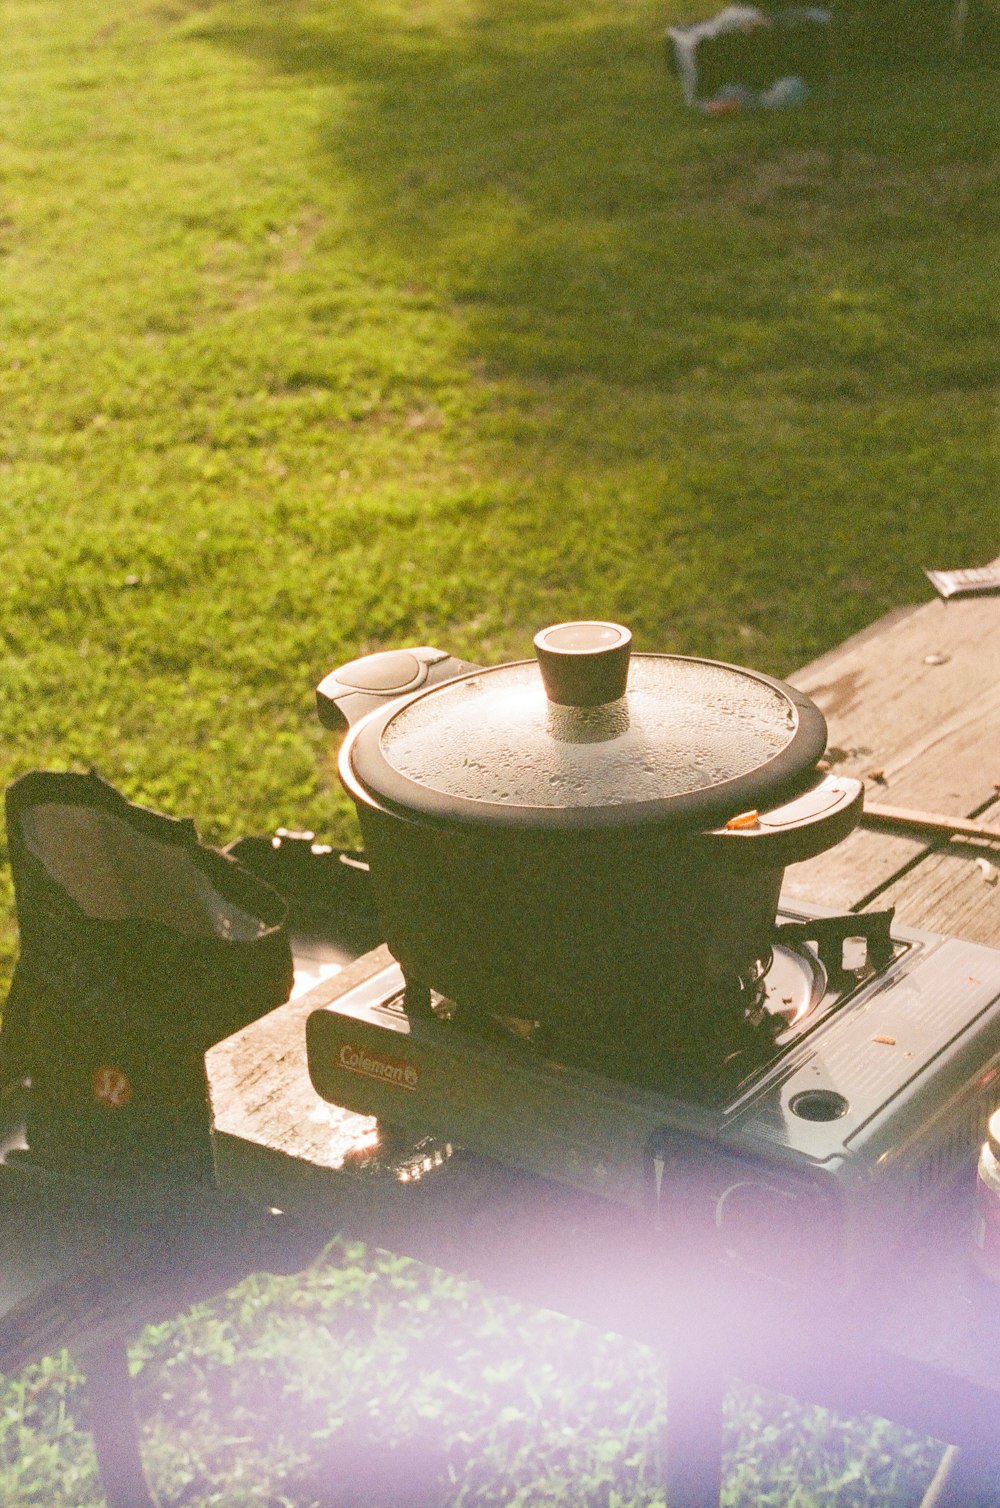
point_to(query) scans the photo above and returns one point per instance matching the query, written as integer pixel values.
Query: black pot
(586, 840)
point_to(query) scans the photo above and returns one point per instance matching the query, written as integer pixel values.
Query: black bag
(139, 949)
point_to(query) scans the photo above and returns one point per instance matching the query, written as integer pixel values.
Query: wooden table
(916, 698)
(913, 706)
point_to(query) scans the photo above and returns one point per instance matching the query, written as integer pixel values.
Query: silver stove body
(815, 1163)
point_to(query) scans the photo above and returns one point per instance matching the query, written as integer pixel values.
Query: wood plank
(845, 875)
(951, 892)
(953, 774)
(880, 695)
(952, 766)
(932, 731)
(952, 888)
(260, 1090)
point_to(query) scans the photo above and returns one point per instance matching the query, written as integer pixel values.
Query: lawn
(329, 327)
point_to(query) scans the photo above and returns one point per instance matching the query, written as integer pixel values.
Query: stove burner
(742, 1024)
(740, 1027)
(790, 983)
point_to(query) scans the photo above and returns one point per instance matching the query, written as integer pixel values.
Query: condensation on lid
(684, 726)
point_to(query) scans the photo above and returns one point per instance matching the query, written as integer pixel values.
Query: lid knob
(584, 664)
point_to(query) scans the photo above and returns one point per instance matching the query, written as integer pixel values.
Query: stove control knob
(584, 664)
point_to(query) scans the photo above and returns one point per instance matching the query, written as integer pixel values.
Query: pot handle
(799, 829)
(348, 693)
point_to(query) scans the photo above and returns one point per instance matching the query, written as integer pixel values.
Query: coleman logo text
(376, 1065)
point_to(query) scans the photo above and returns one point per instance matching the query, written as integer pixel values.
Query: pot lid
(587, 735)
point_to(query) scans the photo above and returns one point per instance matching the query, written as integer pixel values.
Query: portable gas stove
(850, 1080)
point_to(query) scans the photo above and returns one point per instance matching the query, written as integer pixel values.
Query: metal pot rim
(369, 778)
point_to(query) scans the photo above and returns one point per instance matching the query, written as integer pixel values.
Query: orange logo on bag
(112, 1087)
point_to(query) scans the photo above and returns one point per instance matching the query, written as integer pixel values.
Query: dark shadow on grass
(539, 163)
(715, 349)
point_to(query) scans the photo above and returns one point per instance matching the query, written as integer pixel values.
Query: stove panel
(850, 1125)
(892, 1055)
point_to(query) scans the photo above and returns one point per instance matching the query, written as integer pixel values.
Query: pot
(593, 840)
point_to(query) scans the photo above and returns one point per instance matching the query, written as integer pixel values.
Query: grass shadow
(539, 163)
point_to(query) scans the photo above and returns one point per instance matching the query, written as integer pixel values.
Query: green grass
(374, 1372)
(328, 327)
